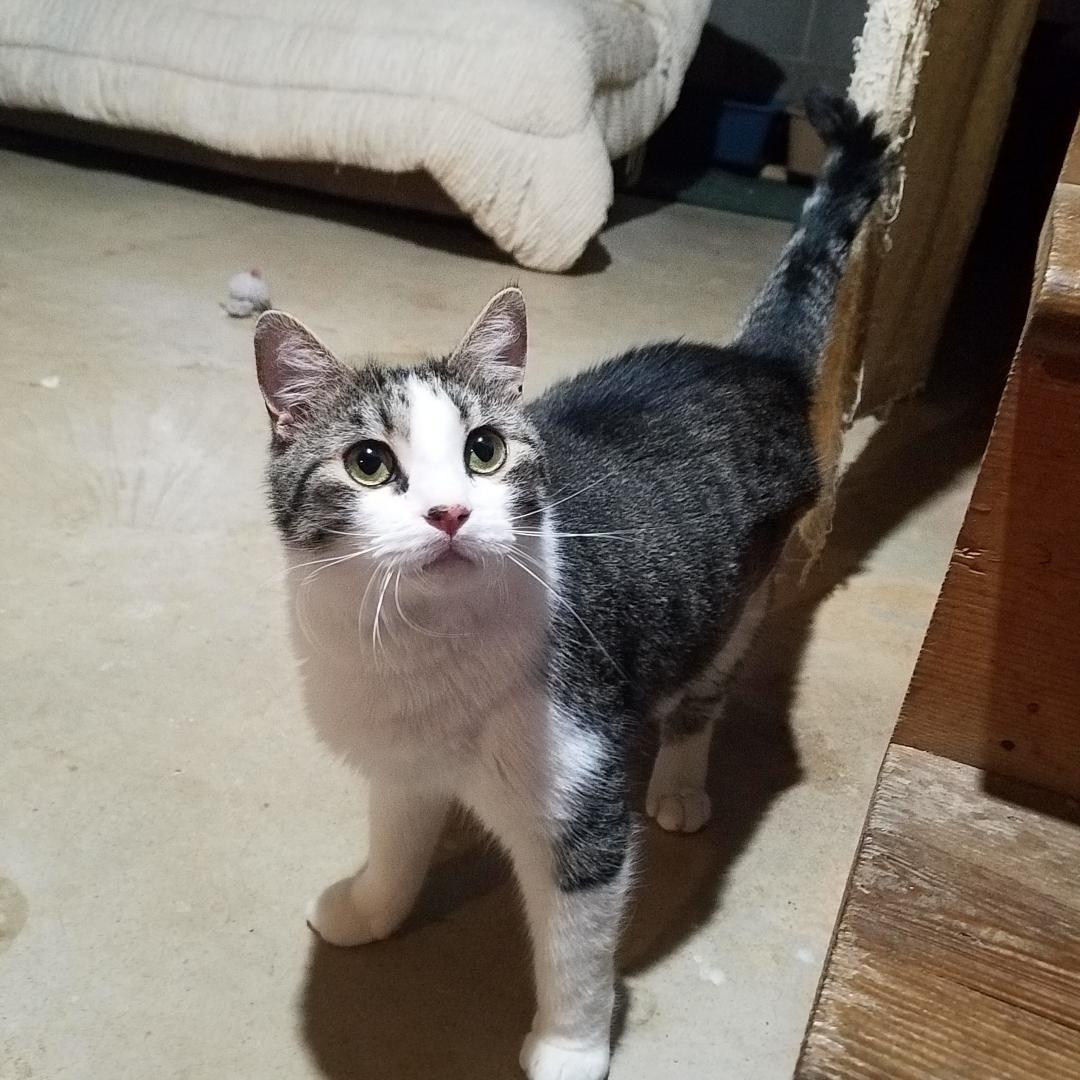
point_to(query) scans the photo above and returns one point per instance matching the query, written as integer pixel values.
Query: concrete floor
(164, 810)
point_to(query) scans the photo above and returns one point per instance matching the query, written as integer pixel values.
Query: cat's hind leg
(372, 904)
(677, 797)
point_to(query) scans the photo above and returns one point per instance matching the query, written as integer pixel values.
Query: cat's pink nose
(447, 518)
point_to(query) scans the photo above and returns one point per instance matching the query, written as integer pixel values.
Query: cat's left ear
(294, 369)
(497, 341)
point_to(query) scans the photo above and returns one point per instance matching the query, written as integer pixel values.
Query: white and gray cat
(490, 598)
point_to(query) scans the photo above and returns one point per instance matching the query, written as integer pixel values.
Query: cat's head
(428, 469)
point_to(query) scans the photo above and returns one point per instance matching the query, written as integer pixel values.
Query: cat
(491, 598)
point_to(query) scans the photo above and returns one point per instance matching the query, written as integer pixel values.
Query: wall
(809, 39)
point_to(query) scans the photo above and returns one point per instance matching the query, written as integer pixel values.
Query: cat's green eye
(370, 463)
(485, 451)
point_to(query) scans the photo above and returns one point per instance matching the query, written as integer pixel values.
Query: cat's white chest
(433, 687)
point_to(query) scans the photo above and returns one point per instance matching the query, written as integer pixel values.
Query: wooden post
(941, 74)
(998, 682)
(957, 952)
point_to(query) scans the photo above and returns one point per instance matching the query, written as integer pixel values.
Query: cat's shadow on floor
(450, 996)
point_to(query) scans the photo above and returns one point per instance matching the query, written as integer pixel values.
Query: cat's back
(671, 381)
(675, 471)
(664, 418)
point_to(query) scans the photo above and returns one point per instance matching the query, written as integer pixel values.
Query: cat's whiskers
(561, 600)
(409, 623)
(324, 564)
(344, 532)
(511, 551)
(401, 614)
(303, 591)
(376, 570)
(558, 502)
(281, 575)
(571, 536)
(376, 631)
(302, 618)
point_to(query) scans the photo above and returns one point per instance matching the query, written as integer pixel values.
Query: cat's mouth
(449, 557)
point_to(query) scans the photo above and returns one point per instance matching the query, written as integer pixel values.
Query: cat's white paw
(344, 915)
(560, 1059)
(685, 810)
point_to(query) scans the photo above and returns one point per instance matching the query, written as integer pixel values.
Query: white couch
(515, 107)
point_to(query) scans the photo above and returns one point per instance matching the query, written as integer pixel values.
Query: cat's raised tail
(789, 319)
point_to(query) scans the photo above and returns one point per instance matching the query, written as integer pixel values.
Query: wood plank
(958, 950)
(943, 74)
(941, 77)
(998, 682)
(1070, 174)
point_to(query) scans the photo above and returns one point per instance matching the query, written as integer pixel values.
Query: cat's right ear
(293, 366)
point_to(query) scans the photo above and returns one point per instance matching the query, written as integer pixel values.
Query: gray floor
(164, 811)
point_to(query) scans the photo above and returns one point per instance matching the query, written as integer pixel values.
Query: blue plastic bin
(741, 131)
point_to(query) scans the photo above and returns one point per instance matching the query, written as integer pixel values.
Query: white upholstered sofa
(515, 107)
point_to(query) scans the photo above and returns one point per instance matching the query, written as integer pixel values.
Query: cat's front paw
(562, 1059)
(344, 914)
(685, 810)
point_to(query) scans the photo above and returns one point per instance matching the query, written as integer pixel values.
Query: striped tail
(790, 317)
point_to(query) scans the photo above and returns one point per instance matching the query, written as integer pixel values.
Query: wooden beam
(998, 681)
(958, 950)
(942, 73)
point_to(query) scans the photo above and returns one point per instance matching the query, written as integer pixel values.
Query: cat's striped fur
(609, 570)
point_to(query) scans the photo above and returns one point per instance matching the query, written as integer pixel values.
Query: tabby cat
(491, 598)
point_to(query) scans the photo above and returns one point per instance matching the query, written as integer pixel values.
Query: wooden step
(958, 950)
